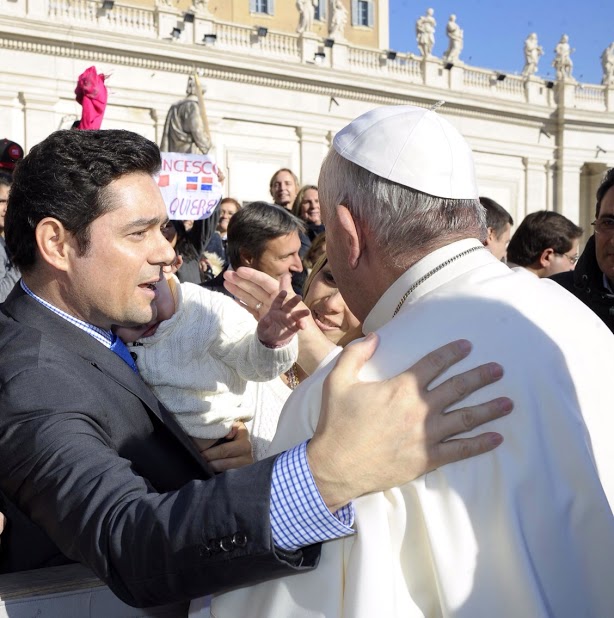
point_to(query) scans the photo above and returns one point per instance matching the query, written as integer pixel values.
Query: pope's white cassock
(523, 531)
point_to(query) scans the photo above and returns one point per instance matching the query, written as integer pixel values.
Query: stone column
(568, 189)
(536, 185)
(158, 117)
(40, 118)
(313, 147)
(11, 118)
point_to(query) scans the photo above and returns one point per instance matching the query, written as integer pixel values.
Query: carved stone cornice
(280, 75)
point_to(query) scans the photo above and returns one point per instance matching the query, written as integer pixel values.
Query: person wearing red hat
(10, 153)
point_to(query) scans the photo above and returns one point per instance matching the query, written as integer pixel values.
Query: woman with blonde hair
(306, 207)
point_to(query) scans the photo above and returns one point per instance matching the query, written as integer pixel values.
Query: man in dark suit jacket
(101, 470)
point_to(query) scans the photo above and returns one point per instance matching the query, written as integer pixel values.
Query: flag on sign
(191, 183)
(164, 180)
(206, 183)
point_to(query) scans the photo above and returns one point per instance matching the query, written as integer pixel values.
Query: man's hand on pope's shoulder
(372, 436)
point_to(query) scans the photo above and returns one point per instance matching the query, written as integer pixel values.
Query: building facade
(276, 97)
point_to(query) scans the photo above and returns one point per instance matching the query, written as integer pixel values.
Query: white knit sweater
(199, 361)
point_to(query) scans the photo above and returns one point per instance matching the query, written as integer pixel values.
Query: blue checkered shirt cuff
(299, 516)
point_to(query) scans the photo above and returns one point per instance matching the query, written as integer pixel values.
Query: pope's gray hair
(405, 222)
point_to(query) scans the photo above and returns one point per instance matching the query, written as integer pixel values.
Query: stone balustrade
(240, 40)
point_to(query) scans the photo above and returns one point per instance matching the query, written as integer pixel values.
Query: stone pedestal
(309, 44)
(534, 89)
(565, 93)
(202, 25)
(456, 75)
(433, 72)
(167, 18)
(339, 55)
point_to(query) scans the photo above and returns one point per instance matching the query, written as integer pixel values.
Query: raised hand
(256, 290)
(283, 320)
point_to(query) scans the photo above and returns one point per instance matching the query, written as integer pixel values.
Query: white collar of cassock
(385, 307)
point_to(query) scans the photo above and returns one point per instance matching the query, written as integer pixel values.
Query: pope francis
(525, 530)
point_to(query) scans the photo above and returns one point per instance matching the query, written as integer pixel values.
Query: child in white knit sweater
(202, 348)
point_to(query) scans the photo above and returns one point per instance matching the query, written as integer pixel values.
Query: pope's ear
(54, 242)
(353, 235)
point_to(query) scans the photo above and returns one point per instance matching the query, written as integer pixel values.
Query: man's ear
(492, 236)
(546, 257)
(246, 258)
(55, 243)
(353, 236)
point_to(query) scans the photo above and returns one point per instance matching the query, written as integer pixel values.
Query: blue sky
(495, 31)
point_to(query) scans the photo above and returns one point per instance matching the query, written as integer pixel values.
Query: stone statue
(455, 40)
(200, 8)
(607, 64)
(184, 129)
(307, 11)
(338, 20)
(562, 59)
(532, 53)
(425, 33)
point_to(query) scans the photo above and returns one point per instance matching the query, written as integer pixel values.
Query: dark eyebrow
(141, 223)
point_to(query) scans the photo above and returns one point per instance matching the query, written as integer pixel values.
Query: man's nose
(164, 252)
(297, 264)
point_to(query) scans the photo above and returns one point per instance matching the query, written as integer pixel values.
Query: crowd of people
(191, 407)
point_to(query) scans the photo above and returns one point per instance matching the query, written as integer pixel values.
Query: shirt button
(226, 543)
(239, 539)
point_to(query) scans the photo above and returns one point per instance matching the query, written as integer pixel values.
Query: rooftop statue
(306, 9)
(425, 33)
(562, 60)
(533, 51)
(200, 8)
(338, 21)
(607, 64)
(455, 40)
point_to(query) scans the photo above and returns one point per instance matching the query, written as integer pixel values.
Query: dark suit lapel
(26, 310)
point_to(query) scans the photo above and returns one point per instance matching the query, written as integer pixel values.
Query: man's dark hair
(6, 180)
(496, 216)
(252, 227)
(539, 231)
(65, 177)
(606, 184)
